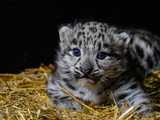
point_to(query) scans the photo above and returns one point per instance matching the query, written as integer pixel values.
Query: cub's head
(92, 51)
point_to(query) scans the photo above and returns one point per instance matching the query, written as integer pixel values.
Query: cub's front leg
(129, 93)
(59, 98)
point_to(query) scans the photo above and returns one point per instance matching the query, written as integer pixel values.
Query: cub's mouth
(90, 80)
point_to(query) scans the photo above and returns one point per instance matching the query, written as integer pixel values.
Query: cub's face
(92, 51)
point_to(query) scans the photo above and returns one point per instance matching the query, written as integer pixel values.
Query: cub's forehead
(91, 27)
(91, 34)
(90, 31)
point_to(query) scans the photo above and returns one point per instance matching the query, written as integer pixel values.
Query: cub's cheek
(72, 69)
(105, 65)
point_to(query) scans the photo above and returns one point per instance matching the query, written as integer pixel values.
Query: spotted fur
(131, 55)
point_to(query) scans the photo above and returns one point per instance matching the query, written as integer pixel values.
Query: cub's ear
(65, 34)
(122, 39)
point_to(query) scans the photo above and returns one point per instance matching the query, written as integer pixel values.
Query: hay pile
(23, 97)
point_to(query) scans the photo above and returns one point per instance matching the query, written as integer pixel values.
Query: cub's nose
(87, 70)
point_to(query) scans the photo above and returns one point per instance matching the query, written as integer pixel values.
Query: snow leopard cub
(95, 58)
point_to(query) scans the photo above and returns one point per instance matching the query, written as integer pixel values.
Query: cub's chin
(87, 82)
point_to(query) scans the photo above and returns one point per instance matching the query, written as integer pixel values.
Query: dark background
(29, 29)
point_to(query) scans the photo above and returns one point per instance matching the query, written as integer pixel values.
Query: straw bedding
(23, 97)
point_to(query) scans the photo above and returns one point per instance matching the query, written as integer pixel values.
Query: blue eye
(76, 52)
(102, 55)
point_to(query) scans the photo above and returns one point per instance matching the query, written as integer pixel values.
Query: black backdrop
(29, 29)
